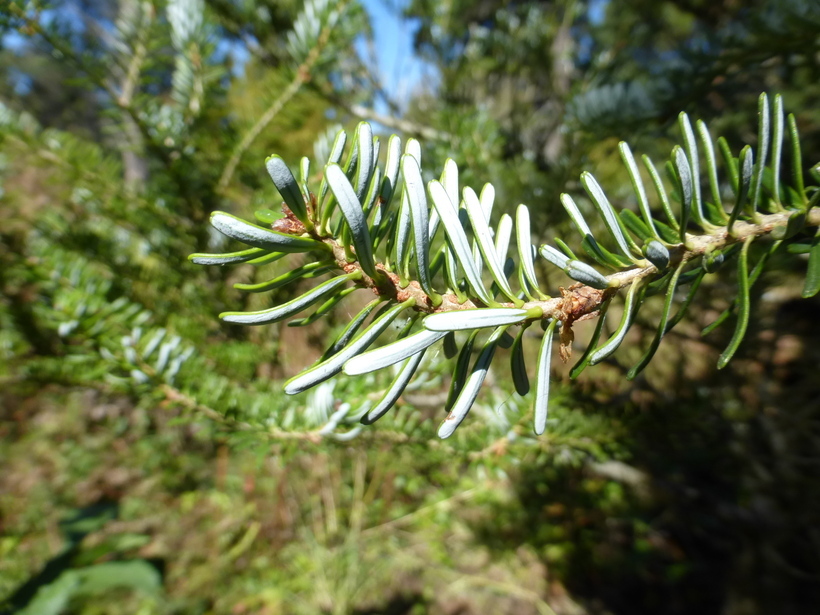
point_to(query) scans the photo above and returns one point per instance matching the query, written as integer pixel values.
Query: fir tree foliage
(86, 297)
(431, 253)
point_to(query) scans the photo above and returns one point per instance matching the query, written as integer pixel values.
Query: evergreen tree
(128, 125)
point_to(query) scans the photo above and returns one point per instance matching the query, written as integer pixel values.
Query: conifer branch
(434, 253)
(579, 300)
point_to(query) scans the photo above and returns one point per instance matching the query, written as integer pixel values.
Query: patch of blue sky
(596, 14)
(401, 72)
(597, 11)
(14, 41)
(237, 51)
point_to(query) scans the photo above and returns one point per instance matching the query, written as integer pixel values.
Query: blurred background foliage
(150, 463)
